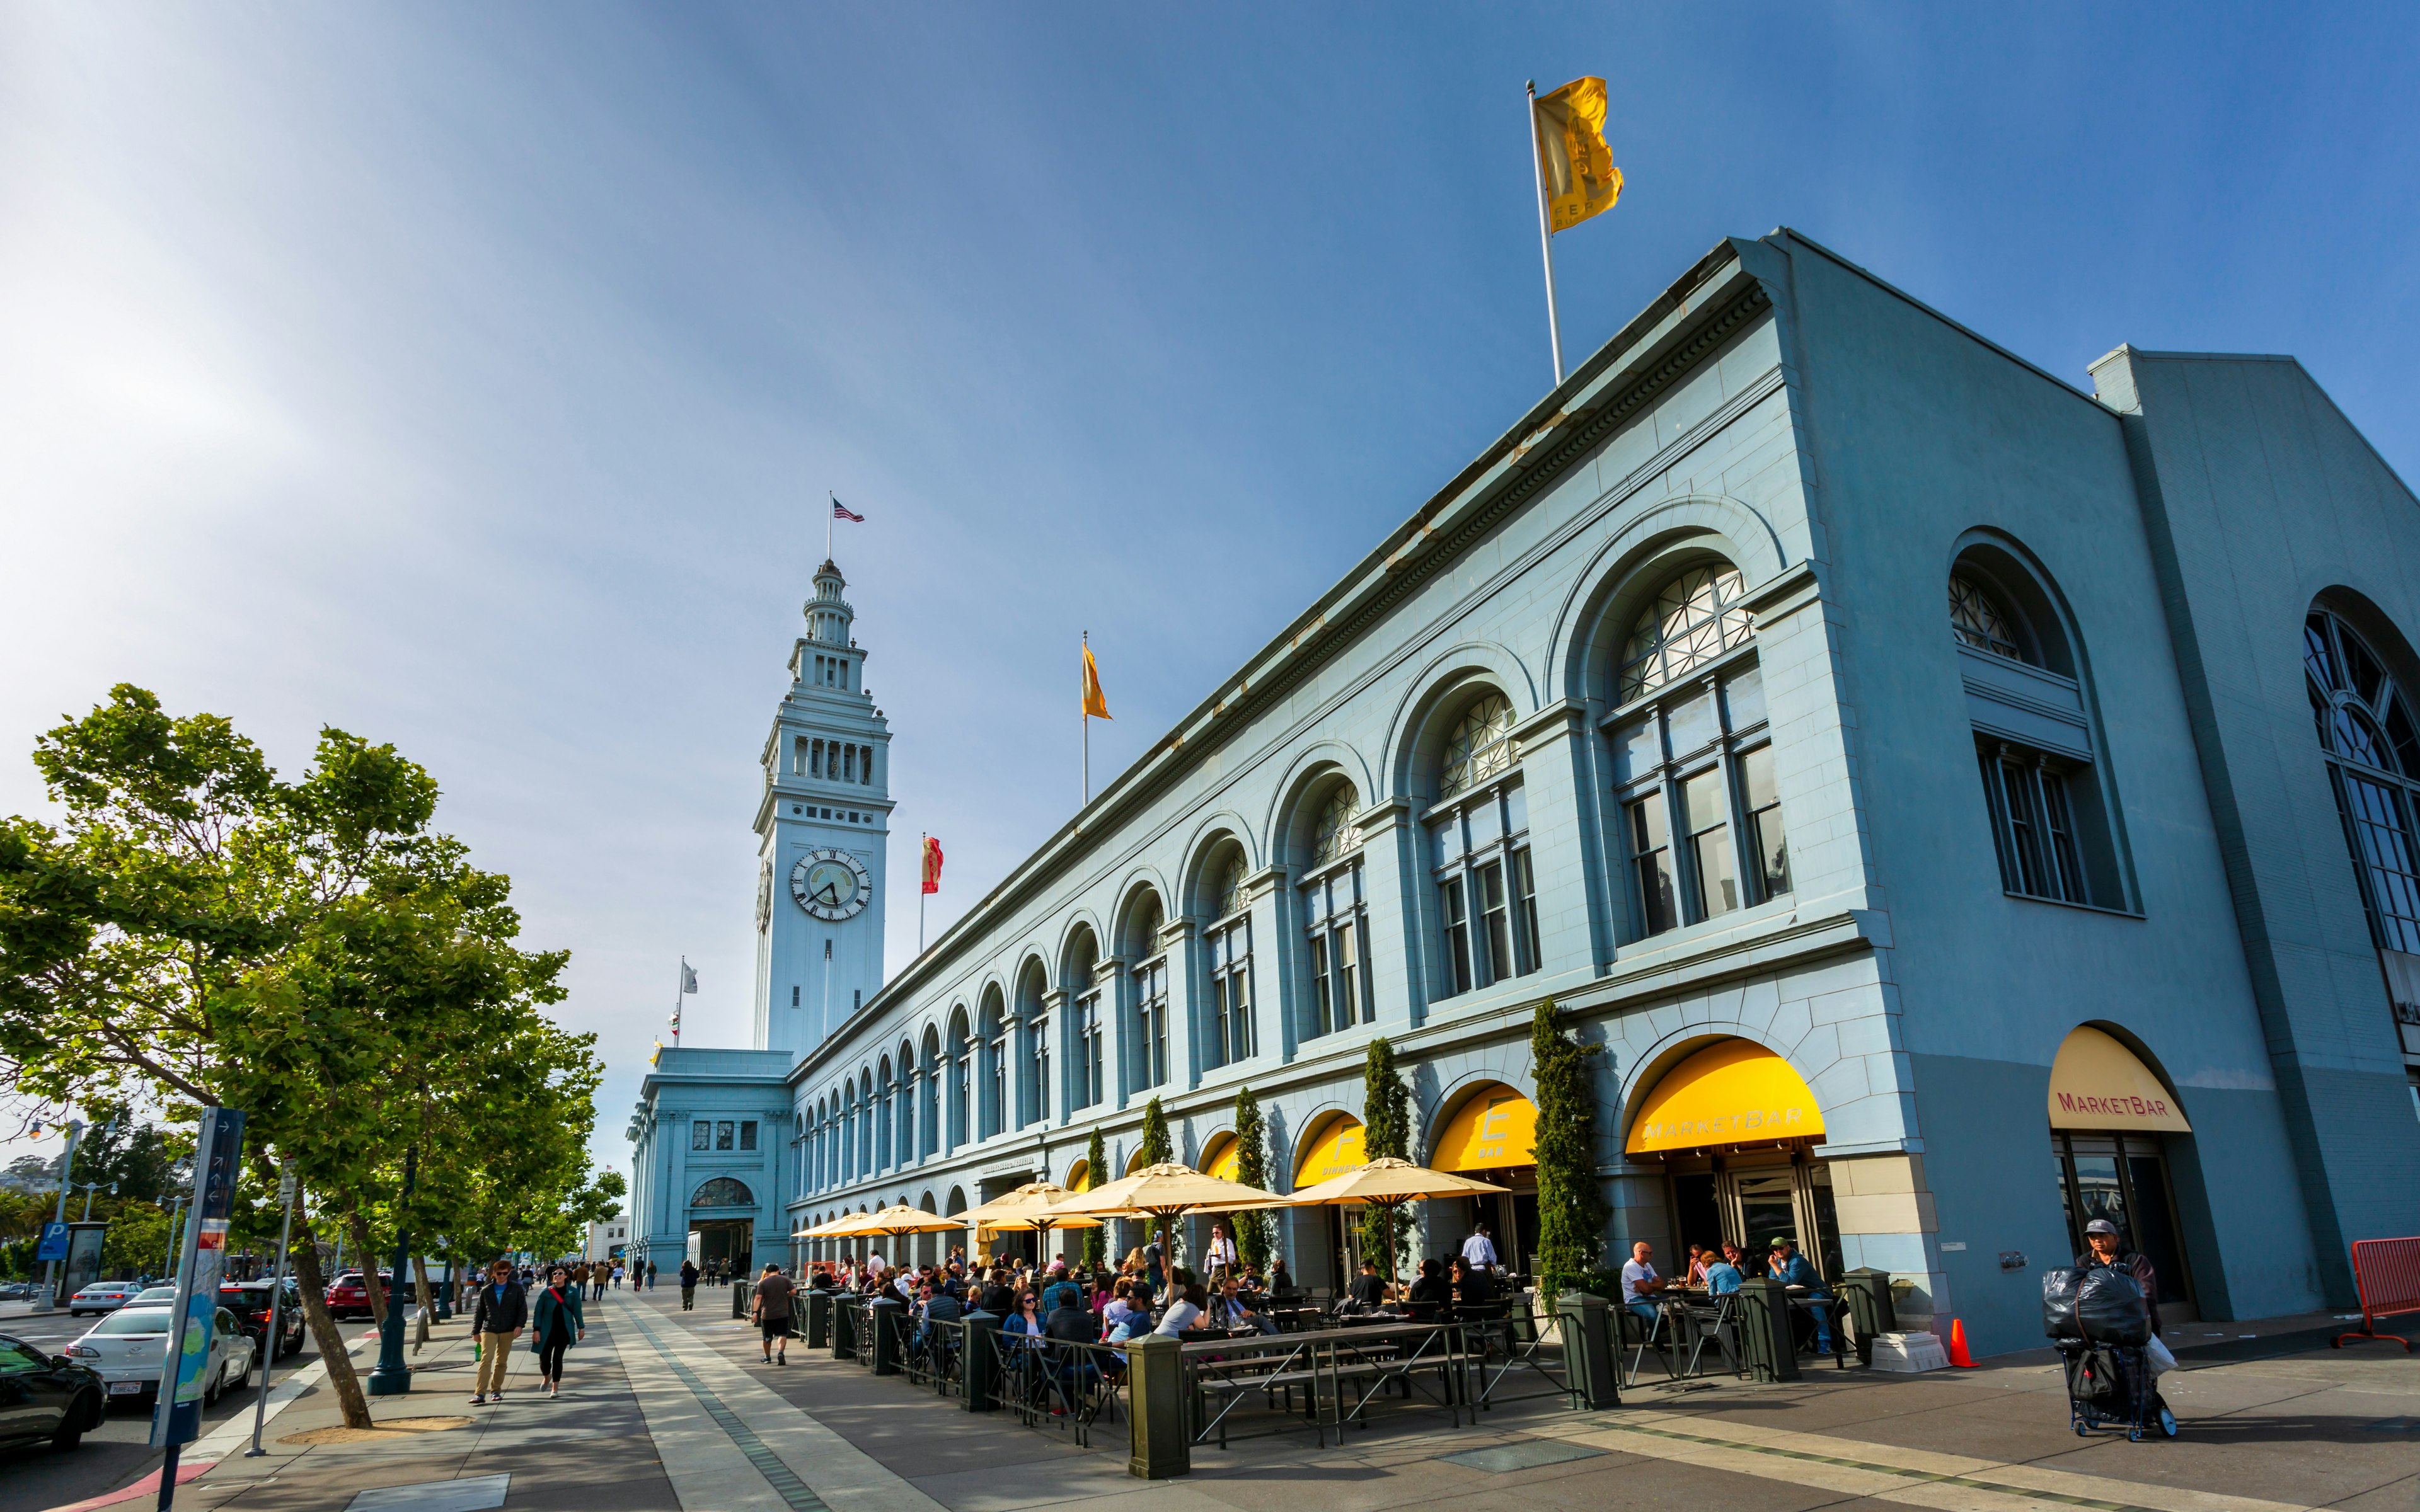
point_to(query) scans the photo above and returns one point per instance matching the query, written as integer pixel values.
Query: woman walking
(556, 1325)
(689, 1284)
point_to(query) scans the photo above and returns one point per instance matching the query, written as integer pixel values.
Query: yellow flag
(1096, 706)
(1577, 167)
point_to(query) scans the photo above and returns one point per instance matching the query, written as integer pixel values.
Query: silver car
(101, 1297)
(128, 1348)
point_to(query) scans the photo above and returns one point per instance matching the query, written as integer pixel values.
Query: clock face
(830, 885)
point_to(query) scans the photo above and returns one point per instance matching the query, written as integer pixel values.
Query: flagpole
(924, 865)
(830, 515)
(1085, 714)
(1545, 235)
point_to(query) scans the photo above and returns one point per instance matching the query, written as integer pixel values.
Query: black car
(249, 1302)
(45, 1397)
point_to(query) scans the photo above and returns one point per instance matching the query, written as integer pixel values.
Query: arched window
(884, 1099)
(2365, 725)
(928, 1110)
(1478, 855)
(1150, 993)
(723, 1192)
(1336, 917)
(1700, 813)
(904, 1144)
(2033, 733)
(870, 1117)
(1229, 956)
(1694, 619)
(960, 1049)
(1480, 748)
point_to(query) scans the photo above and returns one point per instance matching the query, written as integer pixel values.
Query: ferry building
(1959, 803)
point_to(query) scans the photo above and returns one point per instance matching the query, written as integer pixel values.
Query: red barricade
(2387, 1270)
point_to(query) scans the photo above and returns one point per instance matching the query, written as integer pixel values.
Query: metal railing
(1515, 1353)
(1245, 1388)
(933, 1354)
(1060, 1383)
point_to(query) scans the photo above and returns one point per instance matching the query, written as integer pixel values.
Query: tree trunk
(368, 1262)
(428, 1302)
(331, 1339)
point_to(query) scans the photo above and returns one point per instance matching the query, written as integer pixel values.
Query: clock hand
(830, 895)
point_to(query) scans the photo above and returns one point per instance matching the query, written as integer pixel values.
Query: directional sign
(54, 1242)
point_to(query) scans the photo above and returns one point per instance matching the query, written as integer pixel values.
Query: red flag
(932, 864)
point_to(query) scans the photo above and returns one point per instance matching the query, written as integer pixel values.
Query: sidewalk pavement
(666, 1409)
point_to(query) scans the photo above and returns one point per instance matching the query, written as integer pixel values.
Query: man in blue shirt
(1791, 1270)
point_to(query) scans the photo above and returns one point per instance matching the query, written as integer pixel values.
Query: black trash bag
(2109, 1304)
(2059, 1304)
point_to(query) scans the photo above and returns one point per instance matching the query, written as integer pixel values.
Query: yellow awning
(1494, 1129)
(1222, 1158)
(2095, 1082)
(1733, 1093)
(1335, 1148)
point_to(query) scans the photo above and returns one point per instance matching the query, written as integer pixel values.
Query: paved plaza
(666, 1409)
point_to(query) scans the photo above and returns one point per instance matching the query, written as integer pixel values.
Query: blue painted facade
(2154, 546)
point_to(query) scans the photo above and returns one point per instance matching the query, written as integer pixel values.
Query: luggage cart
(2111, 1386)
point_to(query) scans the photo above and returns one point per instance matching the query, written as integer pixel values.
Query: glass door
(2124, 1179)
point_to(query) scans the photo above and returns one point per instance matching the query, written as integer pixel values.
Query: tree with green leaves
(1096, 1161)
(1252, 1229)
(1385, 1130)
(1571, 1201)
(201, 932)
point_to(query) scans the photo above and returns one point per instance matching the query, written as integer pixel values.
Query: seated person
(1794, 1270)
(1723, 1274)
(1061, 1289)
(998, 1298)
(1184, 1312)
(1639, 1285)
(1368, 1290)
(1432, 1296)
(1473, 1287)
(1069, 1321)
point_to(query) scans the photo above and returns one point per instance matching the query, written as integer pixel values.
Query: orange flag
(932, 864)
(1096, 706)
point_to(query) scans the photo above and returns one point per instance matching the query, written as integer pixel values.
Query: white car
(101, 1297)
(128, 1348)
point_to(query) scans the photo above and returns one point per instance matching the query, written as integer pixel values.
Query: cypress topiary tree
(1158, 1149)
(1571, 1201)
(1385, 1130)
(1095, 1240)
(1252, 1229)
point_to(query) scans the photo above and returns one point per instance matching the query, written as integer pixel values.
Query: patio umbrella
(1166, 1192)
(1030, 1206)
(1387, 1182)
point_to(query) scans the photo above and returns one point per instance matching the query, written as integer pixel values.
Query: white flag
(689, 977)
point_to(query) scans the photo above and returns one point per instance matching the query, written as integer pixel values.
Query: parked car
(16, 1290)
(101, 1297)
(45, 1397)
(153, 1294)
(249, 1302)
(346, 1296)
(128, 1348)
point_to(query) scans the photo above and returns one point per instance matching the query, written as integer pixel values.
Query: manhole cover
(1527, 1454)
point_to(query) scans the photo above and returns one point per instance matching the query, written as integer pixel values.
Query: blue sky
(470, 377)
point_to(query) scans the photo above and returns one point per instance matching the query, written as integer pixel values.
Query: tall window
(1088, 1049)
(1693, 769)
(962, 1059)
(930, 1111)
(869, 1121)
(904, 1143)
(1035, 1027)
(881, 1109)
(723, 1130)
(700, 1135)
(2366, 726)
(1230, 968)
(1334, 917)
(996, 1116)
(748, 1134)
(2037, 790)
(1479, 856)
(1695, 618)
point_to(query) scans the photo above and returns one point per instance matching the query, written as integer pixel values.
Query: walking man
(772, 1311)
(689, 1286)
(1480, 1250)
(498, 1318)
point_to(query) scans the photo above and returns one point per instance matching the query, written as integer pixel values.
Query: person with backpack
(689, 1286)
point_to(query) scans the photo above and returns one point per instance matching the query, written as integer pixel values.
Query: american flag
(841, 511)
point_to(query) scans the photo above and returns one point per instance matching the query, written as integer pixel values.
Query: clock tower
(822, 829)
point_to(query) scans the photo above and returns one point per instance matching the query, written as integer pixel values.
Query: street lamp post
(67, 1173)
(392, 1378)
(276, 1295)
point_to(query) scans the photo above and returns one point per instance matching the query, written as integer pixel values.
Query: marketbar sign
(218, 1157)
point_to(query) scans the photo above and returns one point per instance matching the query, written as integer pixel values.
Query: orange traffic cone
(1957, 1355)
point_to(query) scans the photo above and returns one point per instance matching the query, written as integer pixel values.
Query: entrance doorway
(1783, 1195)
(2124, 1178)
(723, 1247)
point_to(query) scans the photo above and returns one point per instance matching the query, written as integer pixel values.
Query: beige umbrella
(1165, 1191)
(1030, 1206)
(1387, 1182)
